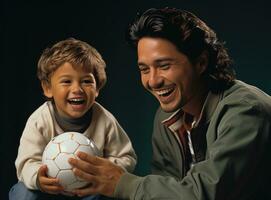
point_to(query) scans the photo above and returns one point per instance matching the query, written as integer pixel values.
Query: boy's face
(73, 90)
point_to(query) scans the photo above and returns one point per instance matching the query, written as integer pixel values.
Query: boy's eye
(66, 81)
(88, 81)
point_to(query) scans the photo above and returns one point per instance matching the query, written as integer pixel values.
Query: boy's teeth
(76, 100)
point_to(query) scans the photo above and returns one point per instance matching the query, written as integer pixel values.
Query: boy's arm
(29, 156)
(118, 148)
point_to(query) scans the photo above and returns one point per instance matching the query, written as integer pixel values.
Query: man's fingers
(91, 159)
(85, 191)
(84, 175)
(84, 165)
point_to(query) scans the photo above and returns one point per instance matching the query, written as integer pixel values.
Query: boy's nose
(76, 88)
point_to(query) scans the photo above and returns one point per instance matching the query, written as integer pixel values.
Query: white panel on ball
(68, 146)
(53, 169)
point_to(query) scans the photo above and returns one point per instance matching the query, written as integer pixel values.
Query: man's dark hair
(191, 36)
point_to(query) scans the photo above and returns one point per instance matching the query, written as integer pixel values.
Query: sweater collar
(69, 124)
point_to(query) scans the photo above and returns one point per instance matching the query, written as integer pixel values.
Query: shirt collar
(174, 121)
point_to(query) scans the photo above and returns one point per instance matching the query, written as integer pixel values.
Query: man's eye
(165, 66)
(143, 70)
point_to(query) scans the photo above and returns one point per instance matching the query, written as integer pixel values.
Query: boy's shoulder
(101, 113)
(42, 113)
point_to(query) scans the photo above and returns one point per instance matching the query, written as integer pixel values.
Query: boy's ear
(202, 62)
(46, 87)
(97, 93)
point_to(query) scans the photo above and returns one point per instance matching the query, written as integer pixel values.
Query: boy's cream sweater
(41, 127)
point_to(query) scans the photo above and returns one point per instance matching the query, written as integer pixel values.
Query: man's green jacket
(232, 145)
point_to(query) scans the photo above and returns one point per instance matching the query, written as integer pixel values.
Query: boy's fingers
(42, 170)
(53, 189)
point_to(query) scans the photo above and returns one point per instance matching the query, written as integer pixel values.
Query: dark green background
(26, 28)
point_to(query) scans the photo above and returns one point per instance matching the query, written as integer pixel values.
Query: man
(211, 137)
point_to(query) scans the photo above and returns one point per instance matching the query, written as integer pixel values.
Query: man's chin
(169, 109)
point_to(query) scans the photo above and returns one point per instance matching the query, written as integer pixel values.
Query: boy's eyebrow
(65, 75)
(90, 75)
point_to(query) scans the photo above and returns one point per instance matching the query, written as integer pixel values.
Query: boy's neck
(71, 124)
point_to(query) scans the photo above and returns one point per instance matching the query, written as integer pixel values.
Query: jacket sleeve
(237, 137)
(29, 156)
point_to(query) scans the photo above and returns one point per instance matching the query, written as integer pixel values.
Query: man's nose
(155, 79)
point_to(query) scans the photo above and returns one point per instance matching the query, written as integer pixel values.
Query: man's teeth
(164, 92)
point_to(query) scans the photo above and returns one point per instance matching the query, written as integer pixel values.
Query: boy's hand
(46, 184)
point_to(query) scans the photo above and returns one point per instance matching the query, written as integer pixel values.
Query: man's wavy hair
(191, 36)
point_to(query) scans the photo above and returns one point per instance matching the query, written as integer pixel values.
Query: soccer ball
(59, 150)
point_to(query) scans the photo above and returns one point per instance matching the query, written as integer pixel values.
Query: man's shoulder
(247, 96)
(241, 91)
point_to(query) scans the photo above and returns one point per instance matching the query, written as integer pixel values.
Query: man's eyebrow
(158, 61)
(141, 64)
(163, 60)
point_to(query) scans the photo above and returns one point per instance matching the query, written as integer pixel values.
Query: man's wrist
(127, 191)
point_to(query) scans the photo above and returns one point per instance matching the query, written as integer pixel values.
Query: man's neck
(194, 106)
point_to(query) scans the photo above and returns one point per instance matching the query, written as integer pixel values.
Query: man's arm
(228, 171)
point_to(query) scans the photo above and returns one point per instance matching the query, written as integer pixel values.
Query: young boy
(71, 73)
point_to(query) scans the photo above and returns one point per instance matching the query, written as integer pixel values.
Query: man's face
(167, 73)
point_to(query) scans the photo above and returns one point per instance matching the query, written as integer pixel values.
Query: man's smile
(164, 92)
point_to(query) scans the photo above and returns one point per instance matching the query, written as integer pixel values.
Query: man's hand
(46, 184)
(102, 174)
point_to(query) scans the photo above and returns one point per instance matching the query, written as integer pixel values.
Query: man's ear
(46, 87)
(202, 62)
